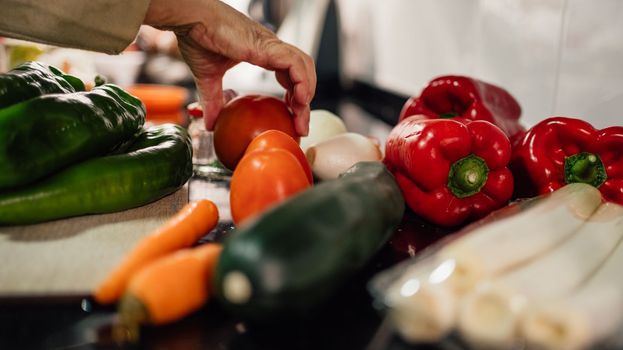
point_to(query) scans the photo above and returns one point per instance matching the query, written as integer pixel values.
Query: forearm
(98, 25)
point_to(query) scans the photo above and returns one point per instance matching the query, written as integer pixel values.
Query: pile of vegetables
(283, 222)
(275, 160)
(538, 272)
(298, 253)
(310, 212)
(452, 178)
(550, 286)
(262, 269)
(309, 217)
(67, 152)
(164, 277)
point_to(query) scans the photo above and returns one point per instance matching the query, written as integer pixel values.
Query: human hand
(214, 37)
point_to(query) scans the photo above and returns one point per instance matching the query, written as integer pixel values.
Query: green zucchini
(156, 164)
(47, 133)
(296, 255)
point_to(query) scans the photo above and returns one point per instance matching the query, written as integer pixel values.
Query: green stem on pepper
(585, 167)
(448, 115)
(467, 176)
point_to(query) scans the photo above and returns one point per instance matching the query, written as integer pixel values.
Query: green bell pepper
(45, 134)
(33, 79)
(158, 163)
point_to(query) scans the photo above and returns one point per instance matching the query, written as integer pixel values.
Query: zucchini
(156, 164)
(297, 254)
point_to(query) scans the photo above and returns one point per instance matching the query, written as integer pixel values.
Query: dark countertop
(347, 321)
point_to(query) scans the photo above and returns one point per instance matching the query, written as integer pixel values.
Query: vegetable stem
(586, 168)
(448, 115)
(467, 176)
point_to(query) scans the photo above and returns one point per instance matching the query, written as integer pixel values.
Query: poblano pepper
(33, 79)
(155, 165)
(45, 134)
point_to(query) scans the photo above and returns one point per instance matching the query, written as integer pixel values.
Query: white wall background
(557, 57)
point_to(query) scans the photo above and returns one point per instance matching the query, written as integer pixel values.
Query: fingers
(300, 68)
(299, 80)
(301, 119)
(283, 78)
(212, 99)
(229, 95)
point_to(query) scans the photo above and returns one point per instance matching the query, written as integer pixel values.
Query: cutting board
(69, 257)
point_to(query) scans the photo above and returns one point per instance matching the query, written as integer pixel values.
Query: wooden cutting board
(69, 257)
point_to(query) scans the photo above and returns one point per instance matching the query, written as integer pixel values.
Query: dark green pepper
(47, 133)
(33, 79)
(155, 165)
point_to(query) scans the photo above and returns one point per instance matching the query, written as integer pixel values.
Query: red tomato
(245, 117)
(271, 139)
(263, 179)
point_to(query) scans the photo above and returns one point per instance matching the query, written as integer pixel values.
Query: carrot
(167, 289)
(191, 223)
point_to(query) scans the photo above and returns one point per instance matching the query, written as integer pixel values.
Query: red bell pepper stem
(448, 115)
(586, 168)
(467, 176)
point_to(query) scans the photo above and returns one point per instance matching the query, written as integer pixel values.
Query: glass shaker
(205, 163)
(203, 151)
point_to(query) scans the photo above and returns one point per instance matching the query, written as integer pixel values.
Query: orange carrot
(171, 287)
(194, 221)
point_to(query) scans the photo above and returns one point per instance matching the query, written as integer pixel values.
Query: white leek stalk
(422, 310)
(428, 313)
(508, 243)
(490, 316)
(592, 313)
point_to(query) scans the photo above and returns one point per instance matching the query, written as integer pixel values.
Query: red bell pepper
(450, 170)
(561, 150)
(469, 98)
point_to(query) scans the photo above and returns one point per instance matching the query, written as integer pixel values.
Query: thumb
(211, 97)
